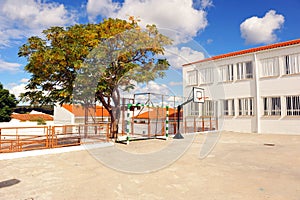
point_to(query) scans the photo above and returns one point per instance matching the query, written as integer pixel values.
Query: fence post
(167, 122)
(203, 124)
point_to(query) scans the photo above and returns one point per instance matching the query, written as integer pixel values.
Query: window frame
(192, 77)
(228, 107)
(270, 67)
(291, 64)
(244, 70)
(206, 76)
(226, 73)
(292, 105)
(246, 106)
(270, 104)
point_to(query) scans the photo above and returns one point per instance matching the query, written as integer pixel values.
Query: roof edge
(251, 50)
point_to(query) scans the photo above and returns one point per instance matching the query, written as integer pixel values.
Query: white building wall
(258, 87)
(63, 116)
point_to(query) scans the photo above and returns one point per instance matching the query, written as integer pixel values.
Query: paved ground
(241, 166)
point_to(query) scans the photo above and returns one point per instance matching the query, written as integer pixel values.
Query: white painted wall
(63, 116)
(283, 85)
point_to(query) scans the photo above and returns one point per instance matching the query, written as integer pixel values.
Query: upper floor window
(226, 73)
(269, 67)
(272, 106)
(192, 77)
(292, 64)
(293, 105)
(244, 70)
(206, 76)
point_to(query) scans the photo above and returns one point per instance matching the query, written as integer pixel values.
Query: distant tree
(96, 59)
(7, 103)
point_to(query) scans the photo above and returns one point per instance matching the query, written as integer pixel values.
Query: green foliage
(7, 103)
(48, 109)
(40, 121)
(54, 62)
(96, 59)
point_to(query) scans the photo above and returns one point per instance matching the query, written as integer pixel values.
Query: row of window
(271, 66)
(245, 107)
(244, 70)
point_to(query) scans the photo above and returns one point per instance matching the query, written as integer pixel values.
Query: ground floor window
(228, 107)
(293, 105)
(209, 108)
(194, 109)
(272, 106)
(245, 106)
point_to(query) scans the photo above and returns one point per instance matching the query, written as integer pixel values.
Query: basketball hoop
(200, 98)
(198, 95)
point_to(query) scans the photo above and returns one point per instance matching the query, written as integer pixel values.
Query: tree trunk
(114, 111)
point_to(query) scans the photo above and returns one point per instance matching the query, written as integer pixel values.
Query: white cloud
(19, 19)
(7, 66)
(176, 16)
(17, 89)
(105, 7)
(24, 80)
(257, 30)
(150, 87)
(173, 83)
(179, 56)
(206, 3)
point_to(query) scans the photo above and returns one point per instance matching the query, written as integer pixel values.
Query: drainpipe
(257, 96)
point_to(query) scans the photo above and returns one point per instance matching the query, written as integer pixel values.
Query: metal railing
(15, 139)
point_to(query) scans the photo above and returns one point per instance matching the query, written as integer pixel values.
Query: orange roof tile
(78, 110)
(158, 113)
(31, 117)
(252, 50)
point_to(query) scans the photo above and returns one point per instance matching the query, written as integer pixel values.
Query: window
(192, 77)
(226, 73)
(228, 106)
(292, 64)
(194, 109)
(272, 106)
(244, 70)
(246, 106)
(293, 105)
(206, 76)
(270, 67)
(209, 108)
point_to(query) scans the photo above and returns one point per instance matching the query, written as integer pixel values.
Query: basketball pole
(194, 92)
(178, 134)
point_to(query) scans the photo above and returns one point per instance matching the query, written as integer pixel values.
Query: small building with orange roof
(77, 114)
(33, 117)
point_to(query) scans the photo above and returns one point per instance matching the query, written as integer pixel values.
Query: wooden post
(203, 124)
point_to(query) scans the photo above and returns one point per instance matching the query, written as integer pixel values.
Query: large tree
(7, 103)
(85, 62)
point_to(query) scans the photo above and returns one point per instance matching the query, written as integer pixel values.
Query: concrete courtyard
(241, 166)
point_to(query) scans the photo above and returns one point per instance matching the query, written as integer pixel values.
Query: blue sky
(199, 28)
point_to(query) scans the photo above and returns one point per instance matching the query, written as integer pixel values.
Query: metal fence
(15, 139)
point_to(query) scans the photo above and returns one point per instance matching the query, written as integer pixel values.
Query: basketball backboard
(198, 95)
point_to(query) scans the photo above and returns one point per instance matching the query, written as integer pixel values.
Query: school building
(255, 90)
